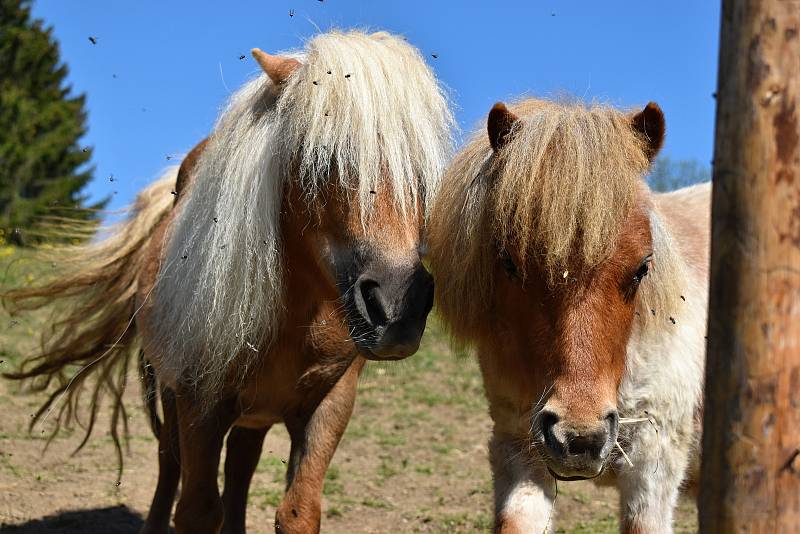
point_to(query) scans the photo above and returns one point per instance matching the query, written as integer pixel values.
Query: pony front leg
(242, 453)
(315, 435)
(202, 432)
(523, 490)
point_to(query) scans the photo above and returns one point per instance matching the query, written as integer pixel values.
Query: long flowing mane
(559, 189)
(366, 105)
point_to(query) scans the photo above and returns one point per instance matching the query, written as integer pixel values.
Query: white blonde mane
(364, 105)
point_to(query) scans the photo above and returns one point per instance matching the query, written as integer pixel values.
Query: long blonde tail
(92, 341)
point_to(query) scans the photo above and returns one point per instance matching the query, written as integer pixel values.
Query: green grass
(266, 497)
(373, 502)
(332, 485)
(334, 512)
(603, 525)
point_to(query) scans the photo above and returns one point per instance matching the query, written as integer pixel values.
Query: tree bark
(750, 479)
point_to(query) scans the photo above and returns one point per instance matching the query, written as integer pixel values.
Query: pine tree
(43, 168)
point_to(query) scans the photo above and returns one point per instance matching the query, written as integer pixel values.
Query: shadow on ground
(110, 520)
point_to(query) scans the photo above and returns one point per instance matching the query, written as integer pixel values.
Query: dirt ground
(413, 459)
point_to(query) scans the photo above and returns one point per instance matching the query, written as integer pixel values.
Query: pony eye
(508, 264)
(642, 271)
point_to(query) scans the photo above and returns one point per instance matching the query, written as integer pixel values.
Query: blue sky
(161, 70)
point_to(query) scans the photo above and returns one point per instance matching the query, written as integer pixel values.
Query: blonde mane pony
(559, 190)
(363, 109)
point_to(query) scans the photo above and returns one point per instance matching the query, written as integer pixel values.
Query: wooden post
(750, 480)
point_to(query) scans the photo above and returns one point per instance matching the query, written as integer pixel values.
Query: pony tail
(93, 340)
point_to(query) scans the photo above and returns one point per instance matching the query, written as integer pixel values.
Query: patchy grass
(606, 524)
(413, 458)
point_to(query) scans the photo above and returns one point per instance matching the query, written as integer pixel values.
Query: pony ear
(649, 123)
(277, 68)
(500, 123)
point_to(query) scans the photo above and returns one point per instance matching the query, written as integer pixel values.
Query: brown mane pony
(556, 193)
(584, 296)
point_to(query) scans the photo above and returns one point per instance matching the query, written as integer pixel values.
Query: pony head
(558, 212)
(367, 136)
(334, 155)
(370, 247)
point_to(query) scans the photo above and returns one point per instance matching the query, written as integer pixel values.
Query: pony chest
(289, 377)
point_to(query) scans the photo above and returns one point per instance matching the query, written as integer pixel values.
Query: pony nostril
(591, 444)
(612, 421)
(547, 422)
(372, 308)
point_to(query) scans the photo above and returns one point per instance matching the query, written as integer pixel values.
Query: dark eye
(508, 264)
(642, 271)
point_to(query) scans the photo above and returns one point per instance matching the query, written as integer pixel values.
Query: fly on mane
(557, 193)
(362, 109)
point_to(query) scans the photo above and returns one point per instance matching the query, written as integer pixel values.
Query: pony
(584, 295)
(256, 279)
